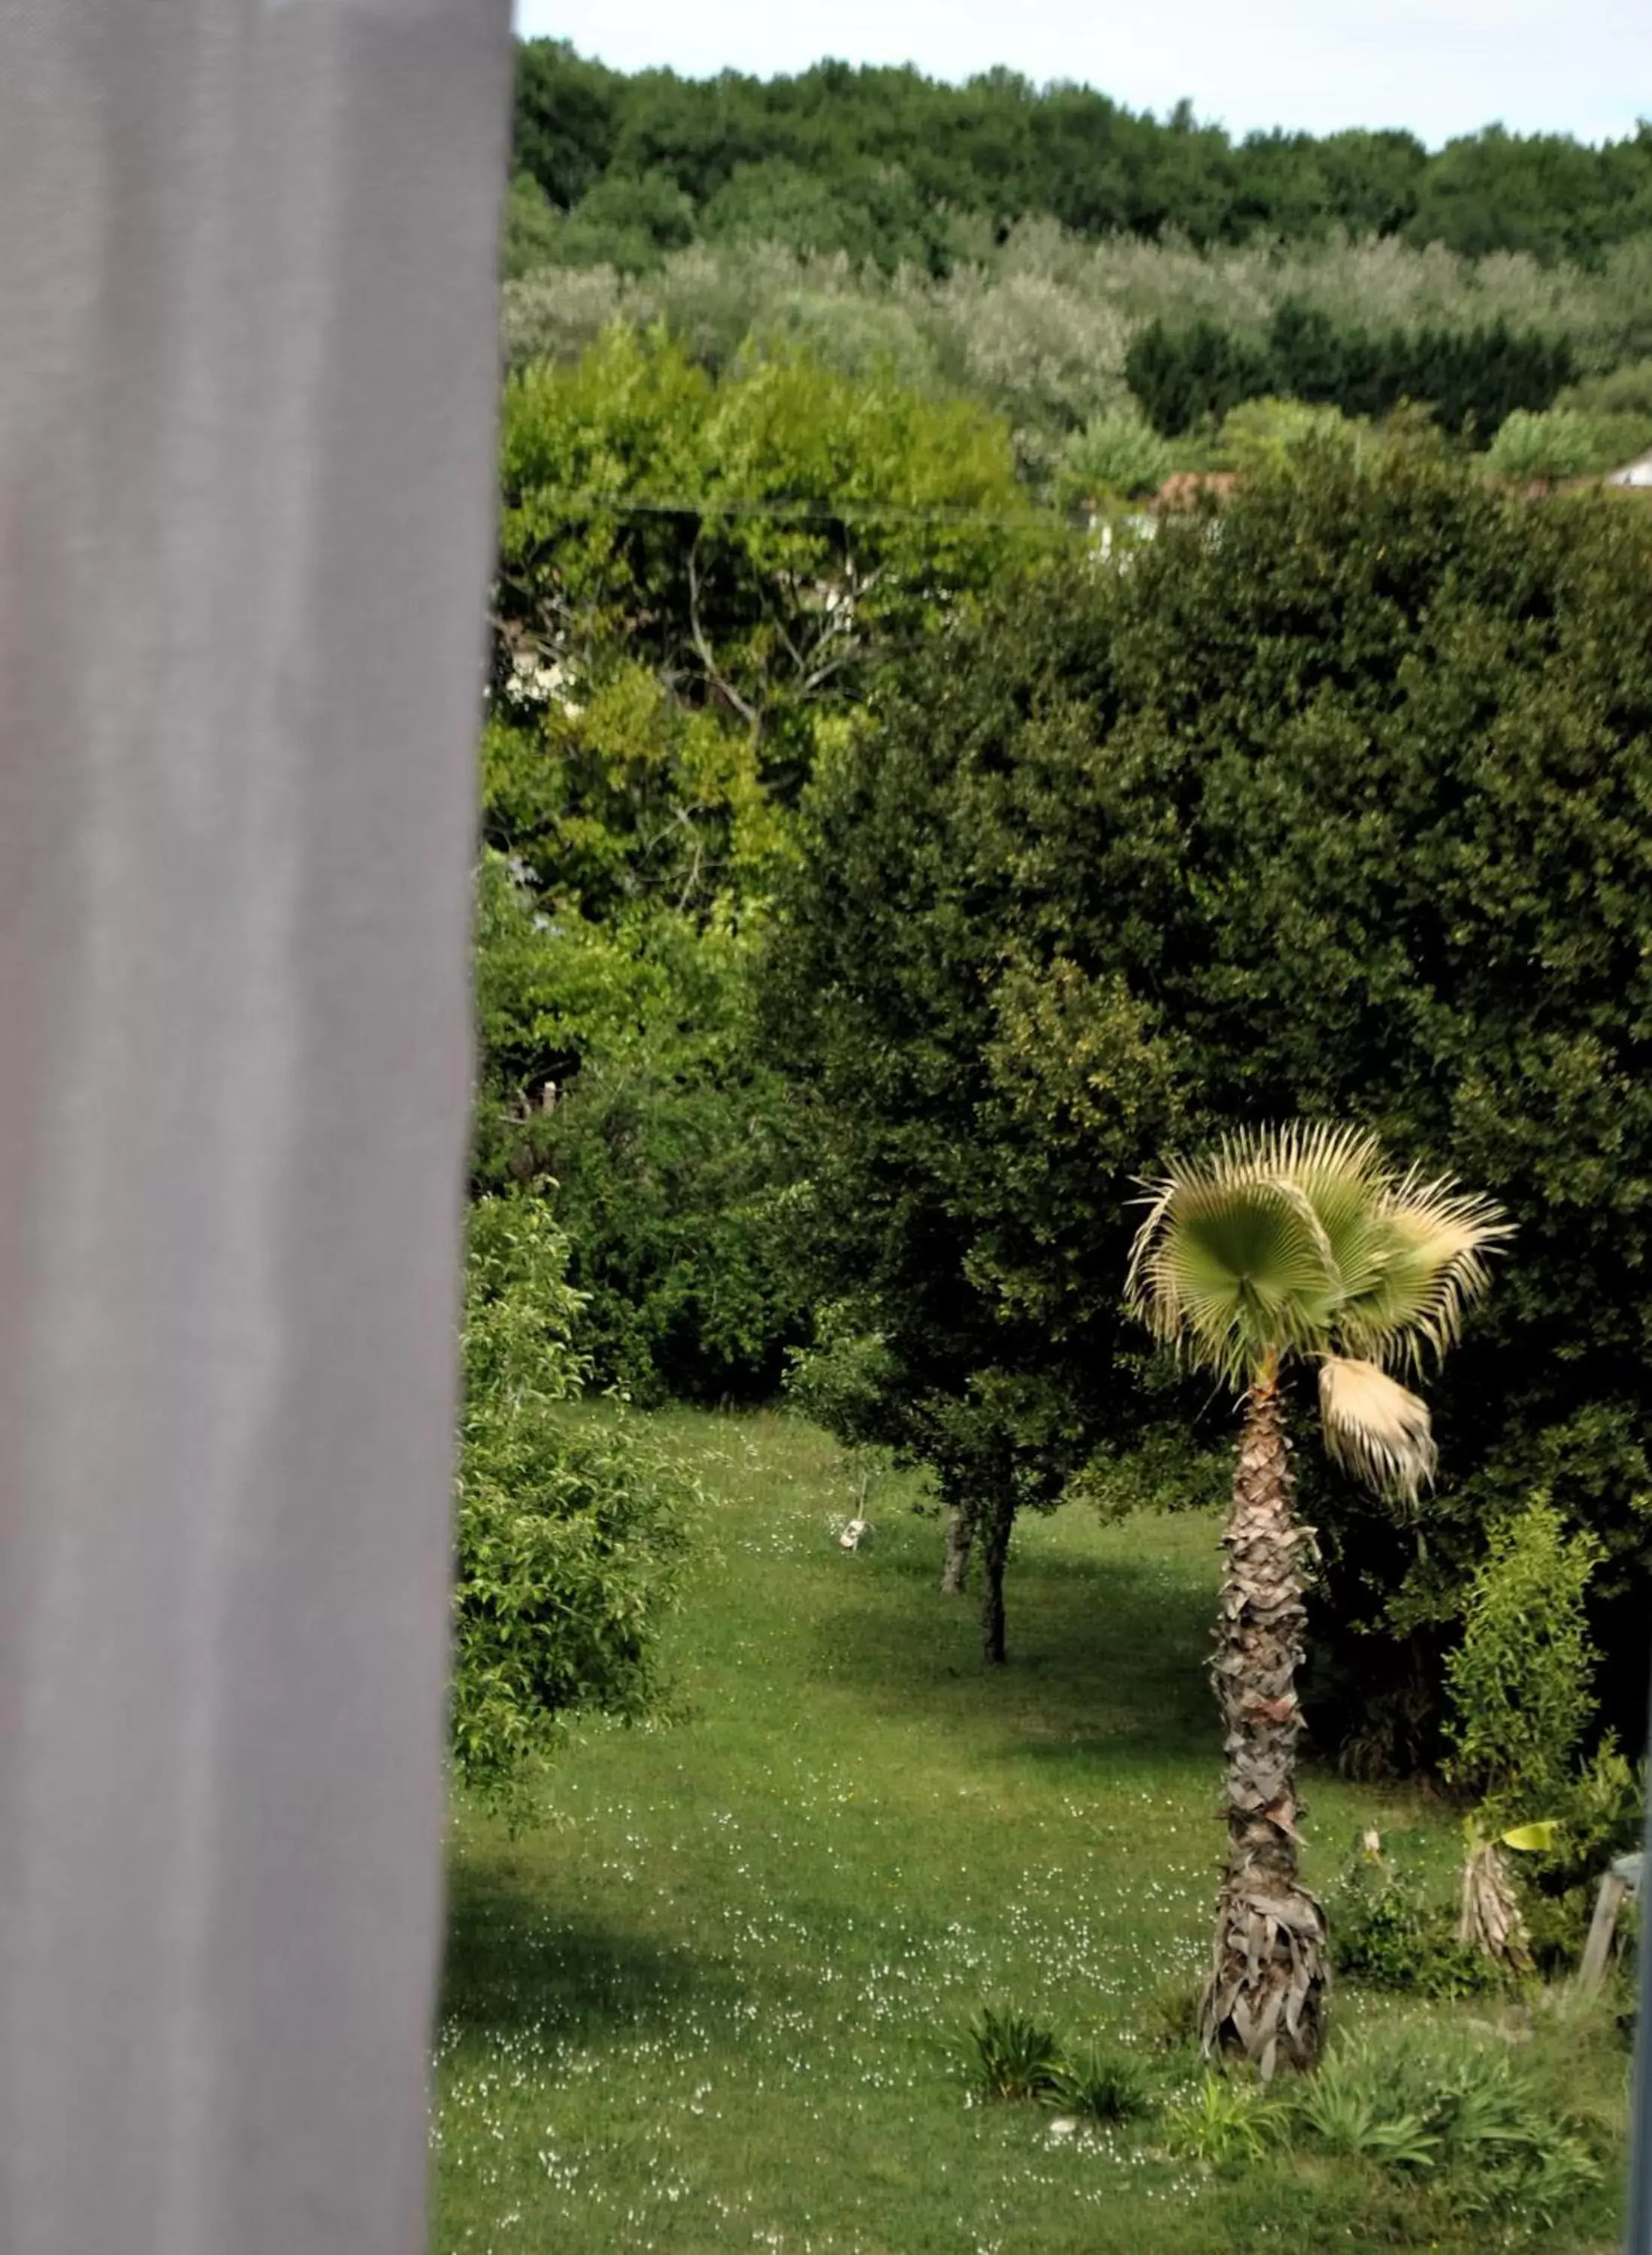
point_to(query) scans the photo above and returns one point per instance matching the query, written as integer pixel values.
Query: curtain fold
(248, 367)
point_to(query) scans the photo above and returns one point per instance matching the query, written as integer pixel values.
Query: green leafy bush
(1423, 2106)
(571, 1532)
(1265, 437)
(1386, 1932)
(1623, 391)
(1521, 1679)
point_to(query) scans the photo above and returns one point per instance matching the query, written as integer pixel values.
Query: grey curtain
(247, 378)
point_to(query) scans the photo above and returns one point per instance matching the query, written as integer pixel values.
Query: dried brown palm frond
(1374, 1429)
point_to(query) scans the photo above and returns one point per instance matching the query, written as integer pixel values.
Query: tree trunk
(994, 1550)
(1265, 1997)
(959, 1540)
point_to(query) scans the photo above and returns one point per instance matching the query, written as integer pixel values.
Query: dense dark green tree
(566, 117)
(1469, 379)
(1337, 808)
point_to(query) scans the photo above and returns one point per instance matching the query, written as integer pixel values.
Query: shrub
(1521, 1679)
(1386, 1931)
(1418, 2105)
(570, 1534)
(1625, 390)
(1265, 436)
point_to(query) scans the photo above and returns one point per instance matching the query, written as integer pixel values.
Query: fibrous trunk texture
(1491, 1921)
(1265, 1997)
(960, 1536)
(994, 1550)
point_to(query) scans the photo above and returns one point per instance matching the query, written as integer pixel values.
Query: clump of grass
(1004, 2054)
(1173, 2014)
(1465, 2116)
(1103, 2085)
(1228, 2122)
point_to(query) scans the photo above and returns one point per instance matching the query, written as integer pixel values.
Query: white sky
(1440, 67)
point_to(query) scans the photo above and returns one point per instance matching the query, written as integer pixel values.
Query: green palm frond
(1302, 1239)
(1232, 1262)
(1429, 1263)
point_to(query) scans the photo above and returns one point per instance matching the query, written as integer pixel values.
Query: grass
(699, 2005)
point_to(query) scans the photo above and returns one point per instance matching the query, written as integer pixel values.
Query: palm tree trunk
(960, 1538)
(995, 1551)
(1265, 1996)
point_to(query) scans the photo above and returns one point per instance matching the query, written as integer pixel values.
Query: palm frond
(1302, 1238)
(1374, 1429)
(1430, 1266)
(1231, 1262)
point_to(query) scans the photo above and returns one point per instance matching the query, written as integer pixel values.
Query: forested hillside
(890, 166)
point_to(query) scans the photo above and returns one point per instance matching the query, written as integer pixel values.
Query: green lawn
(694, 2008)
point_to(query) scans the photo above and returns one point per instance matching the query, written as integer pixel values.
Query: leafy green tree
(761, 544)
(1473, 377)
(1341, 814)
(571, 1533)
(700, 582)
(533, 230)
(1284, 1247)
(619, 1071)
(566, 118)
(1119, 455)
(628, 221)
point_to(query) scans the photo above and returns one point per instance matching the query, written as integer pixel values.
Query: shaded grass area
(697, 2007)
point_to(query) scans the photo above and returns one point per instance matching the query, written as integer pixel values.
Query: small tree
(1298, 1243)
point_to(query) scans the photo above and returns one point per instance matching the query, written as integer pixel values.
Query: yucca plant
(1296, 1242)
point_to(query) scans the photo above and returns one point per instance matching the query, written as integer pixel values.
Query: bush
(570, 1534)
(1421, 2106)
(1521, 1679)
(1625, 391)
(1264, 436)
(1228, 2124)
(1386, 1932)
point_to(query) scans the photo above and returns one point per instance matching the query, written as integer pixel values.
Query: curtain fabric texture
(248, 367)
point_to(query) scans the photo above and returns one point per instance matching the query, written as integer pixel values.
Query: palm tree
(1298, 1241)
